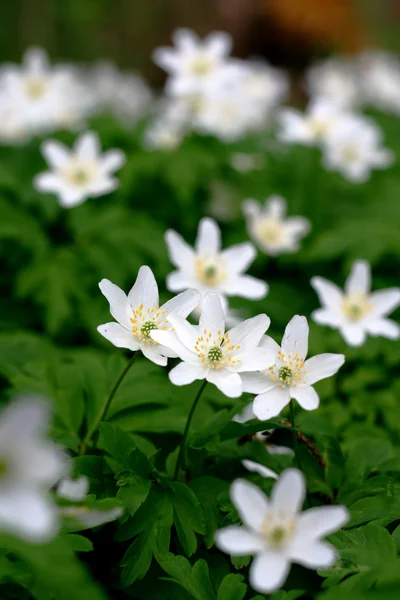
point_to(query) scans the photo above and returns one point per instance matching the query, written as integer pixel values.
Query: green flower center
(277, 535)
(285, 373)
(80, 176)
(215, 354)
(147, 327)
(210, 272)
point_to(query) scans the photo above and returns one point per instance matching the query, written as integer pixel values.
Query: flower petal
(329, 294)
(327, 316)
(384, 327)
(262, 470)
(144, 290)
(150, 352)
(246, 286)
(239, 257)
(321, 521)
(119, 303)
(219, 43)
(269, 404)
(359, 280)
(186, 333)
(251, 503)
(182, 304)
(307, 397)
(256, 359)
(256, 383)
(112, 160)
(322, 366)
(228, 383)
(295, 339)
(354, 335)
(169, 339)
(208, 242)
(249, 333)
(29, 514)
(178, 281)
(314, 555)
(88, 145)
(119, 336)
(289, 492)
(385, 301)
(180, 253)
(186, 373)
(212, 317)
(47, 182)
(268, 571)
(237, 541)
(55, 153)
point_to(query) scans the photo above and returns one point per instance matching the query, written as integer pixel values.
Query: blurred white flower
(73, 489)
(209, 353)
(357, 311)
(46, 97)
(312, 127)
(262, 470)
(81, 173)
(207, 268)
(337, 80)
(29, 465)
(380, 80)
(354, 148)
(277, 533)
(126, 95)
(86, 516)
(265, 86)
(139, 313)
(194, 65)
(245, 163)
(269, 227)
(289, 374)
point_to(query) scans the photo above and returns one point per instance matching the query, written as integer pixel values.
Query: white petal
(255, 383)
(25, 420)
(71, 196)
(144, 290)
(28, 514)
(102, 186)
(385, 301)
(327, 316)
(307, 397)
(385, 327)
(151, 352)
(208, 240)
(329, 294)
(251, 209)
(289, 492)
(169, 339)
(275, 206)
(186, 373)
(119, 336)
(228, 383)
(88, 145)
(212, 317)
(183, 304)
(47, 182)
(185, 39)
(186, 333)
(119, 303)
(219, 42)
(321, 521)
(239, 257)
(314, 555)
(180, 253)
(270, 344)
(295, 339)
(250, 502)
(245, 286)
(178, 281)
(257, 359)
(322, 366)
(271, 403)
(359, 280)
(112, 160)
(354, 335)
(268, 571)
(249, 333)
(73, 489)
(237, 541)
(297, 226)
(166, 58)
(55, 153)
(262, 470)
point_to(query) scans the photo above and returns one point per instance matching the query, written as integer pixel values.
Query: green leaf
(188, 516)
(207, 490)
(133, 493)
(380, 509)
(334, 462)
(121, 446)
(195, 580)
(232, 588)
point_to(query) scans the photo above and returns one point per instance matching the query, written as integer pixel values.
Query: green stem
(106, 406)
(181, 456)
(294, 434)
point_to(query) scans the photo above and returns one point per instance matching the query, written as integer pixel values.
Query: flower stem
(182, 450)
(106, 406)
(294, 435)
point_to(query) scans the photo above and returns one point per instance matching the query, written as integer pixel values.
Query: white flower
(87, 517)
(312, 127)
(336, 80)
(29, 465)
(357, 311)
(139, 313)
(73, 489)
(269, 228)
(277, 533)
(380, 80)
(289, 374)
(264, 86)
(262, 470)
(207, 268)
(209, 353)
(354, 148)
(194, 65)
(81, 173)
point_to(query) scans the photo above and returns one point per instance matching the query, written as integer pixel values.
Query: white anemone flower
(380, 80)
(194, 65)
(73, 489)
(277, 533)
(312, 127)
(270, 230)
(88, 517)
(354, 148)
(139, 313)
(81, 173)
(207, 268)
(337, 80)
(208, 352)
(289, 375)
(29, 465)
(357, 311)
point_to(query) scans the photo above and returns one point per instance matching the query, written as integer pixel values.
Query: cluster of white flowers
(351, 143)
(212, 93)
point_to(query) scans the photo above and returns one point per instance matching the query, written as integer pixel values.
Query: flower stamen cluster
(290, 373)
(146, 320)
(216, 352)
(210, 272)
(356, 306)
(278, 530)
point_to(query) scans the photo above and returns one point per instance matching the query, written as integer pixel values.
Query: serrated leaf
(195, 580)
(188, 516)
(133, 493)
(232, 588)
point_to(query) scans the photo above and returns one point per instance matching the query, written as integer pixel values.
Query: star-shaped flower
(289, 375)
(357, 311)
